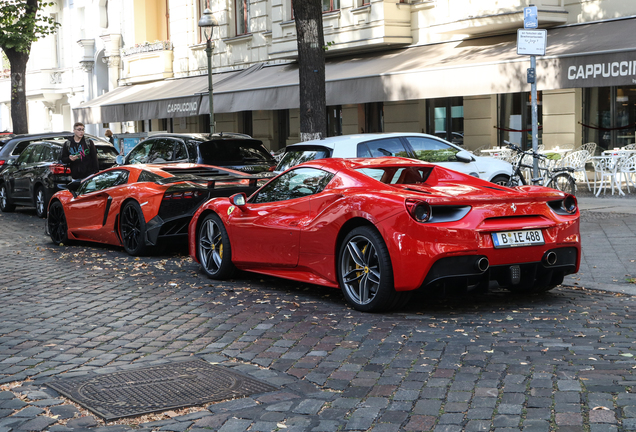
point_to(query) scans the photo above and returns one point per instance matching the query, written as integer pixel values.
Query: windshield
(298, 155)
(235, 152)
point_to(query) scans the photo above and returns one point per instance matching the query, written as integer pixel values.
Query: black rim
(360, 270)
(57, 224)
(39, 202)
(3, 196)
(211, 246)
(130, 228)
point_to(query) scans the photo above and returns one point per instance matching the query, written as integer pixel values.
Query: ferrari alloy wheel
(56, 223)
(5, 206)
(133, 229)
(365, 272)
(213, 248)
(40, 202)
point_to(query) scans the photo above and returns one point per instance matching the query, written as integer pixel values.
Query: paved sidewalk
(608, 237)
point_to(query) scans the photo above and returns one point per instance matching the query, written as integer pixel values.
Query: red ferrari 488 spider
(137, 206)
(381, 228)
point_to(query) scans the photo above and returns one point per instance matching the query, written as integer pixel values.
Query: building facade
(446, 67)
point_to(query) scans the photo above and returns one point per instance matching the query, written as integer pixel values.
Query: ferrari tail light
(566, 206)
(419, 210)
(569, 204)
(58, 169)
(2, 162)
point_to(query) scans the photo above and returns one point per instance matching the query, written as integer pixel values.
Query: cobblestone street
(563, 361)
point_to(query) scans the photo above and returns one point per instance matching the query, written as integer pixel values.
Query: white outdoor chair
(577, 160)
(627, 171)
(590, 147)
(605, 169)
(477, 151)
(631, 146)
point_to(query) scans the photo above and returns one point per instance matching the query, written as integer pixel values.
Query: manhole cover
(157, 388)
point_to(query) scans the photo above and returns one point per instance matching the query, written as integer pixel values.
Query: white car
(412, 145)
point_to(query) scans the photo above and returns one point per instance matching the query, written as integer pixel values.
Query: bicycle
(556, 178)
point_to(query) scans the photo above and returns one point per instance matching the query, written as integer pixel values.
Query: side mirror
(74, 185)
(464, 156)
(119, 160)
(239, 199)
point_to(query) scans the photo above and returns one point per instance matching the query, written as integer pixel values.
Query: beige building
(447, 67)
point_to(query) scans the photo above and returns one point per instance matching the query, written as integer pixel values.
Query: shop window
(609, 117)
(330, 5)
(334, 120)
(282, 128)
(373, 117)
(515, 118)
(245, 123)
(242, 11)
(445, 119)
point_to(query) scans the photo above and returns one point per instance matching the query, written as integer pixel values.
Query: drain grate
(157, 388)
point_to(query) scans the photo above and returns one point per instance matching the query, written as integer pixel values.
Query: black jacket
(87, 163)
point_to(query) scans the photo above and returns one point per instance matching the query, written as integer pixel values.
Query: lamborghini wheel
(213, 248)
(133, 229)
(56, 224)
(365, 273)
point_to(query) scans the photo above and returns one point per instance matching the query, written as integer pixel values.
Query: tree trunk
(311, 69)
(18, 61)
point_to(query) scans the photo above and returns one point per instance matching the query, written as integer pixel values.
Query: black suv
(227, 150)
(12, 146)
(33, 177)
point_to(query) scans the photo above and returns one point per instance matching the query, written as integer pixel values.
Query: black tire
(5, 203)
(501, 180)
(40, 202)
(563, 182)
(132, 228)
(214, 249)
(56, 224)
(365, 273)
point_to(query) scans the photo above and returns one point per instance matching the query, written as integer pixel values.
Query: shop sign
(599, 70)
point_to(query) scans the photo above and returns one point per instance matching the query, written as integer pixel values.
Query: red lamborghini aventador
(381, 228)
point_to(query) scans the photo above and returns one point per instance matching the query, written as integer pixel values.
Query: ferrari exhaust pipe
(482, 264)
(550, 258)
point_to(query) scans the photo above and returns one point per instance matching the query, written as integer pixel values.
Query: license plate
(517, 238)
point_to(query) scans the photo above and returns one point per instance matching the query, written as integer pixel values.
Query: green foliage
(21, 23)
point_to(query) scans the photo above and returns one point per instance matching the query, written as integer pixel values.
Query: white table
(607, 167)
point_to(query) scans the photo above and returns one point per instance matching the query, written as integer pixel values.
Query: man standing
(80, 154)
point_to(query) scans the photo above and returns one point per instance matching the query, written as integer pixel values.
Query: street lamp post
(207, 23)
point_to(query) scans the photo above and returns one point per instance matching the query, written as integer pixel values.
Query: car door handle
(293, 223)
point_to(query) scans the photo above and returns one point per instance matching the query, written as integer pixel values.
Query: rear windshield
(398, 175)
(235, 152)
(298, 155)
(107, 153)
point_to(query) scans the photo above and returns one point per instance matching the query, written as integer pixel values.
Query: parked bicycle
(556, 178)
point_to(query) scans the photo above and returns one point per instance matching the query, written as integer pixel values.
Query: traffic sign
(530, 17)
(531, 42)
